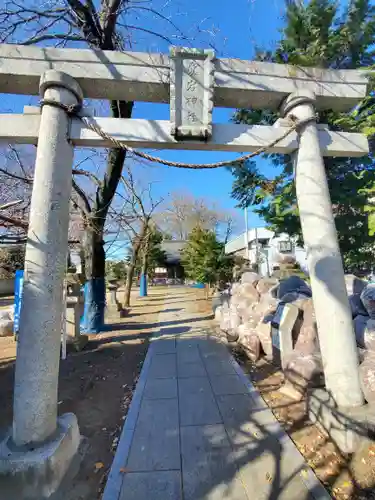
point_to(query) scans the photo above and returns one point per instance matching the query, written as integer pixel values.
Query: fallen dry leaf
(123, 470)
(98, 466)
(346, 484)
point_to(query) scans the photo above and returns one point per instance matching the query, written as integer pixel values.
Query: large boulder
(286, 258)
(250, 277)
(6, 322)
(370, 335)
(248, 291)
(356, 306)
(293, 297)
(264, 285)
(249, 342)
(359, 323)
(304, 366)
(245, 307)
(234, 322)
(266, 305)
(354, 285)
(293, 284)
(252, 316)
(368, 299)
(234, 288)
(364, 329)
(303, 371)
(367, 376)
(307, 341)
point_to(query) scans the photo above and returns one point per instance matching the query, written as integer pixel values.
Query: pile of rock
(362, 301)
(246, 315)
(252, 309)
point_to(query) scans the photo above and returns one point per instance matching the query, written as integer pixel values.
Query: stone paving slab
(155, 444)
(197, 402)
(187, 354)
(227, 384)
(193, 369)
(165, 346)
(161, 485)
(161, 388)
(197, 429)
(207, 468)
(163, 366)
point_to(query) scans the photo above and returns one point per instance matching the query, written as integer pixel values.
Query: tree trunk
(145, 261)
(130, 273)
(94, 244)
(95, 280)
(137, 243)
(128, 285)
(144, 270)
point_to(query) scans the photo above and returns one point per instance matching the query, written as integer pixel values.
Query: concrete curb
(115, 477)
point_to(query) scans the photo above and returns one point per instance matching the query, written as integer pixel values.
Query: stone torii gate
(193, 81)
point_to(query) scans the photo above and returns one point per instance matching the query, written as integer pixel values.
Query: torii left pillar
(41, 446)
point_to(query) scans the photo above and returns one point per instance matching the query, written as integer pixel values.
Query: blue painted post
(143, 285)
(18, 289)
(93, 315)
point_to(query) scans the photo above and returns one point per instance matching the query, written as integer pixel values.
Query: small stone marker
(282, 327)
(73, 314)
(113, 304)
(191, 93)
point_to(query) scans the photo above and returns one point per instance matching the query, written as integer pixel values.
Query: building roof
(239, 243)
(173, 250)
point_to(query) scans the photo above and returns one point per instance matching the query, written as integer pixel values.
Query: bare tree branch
(54, 36)
(26, 180)
(84, 205)
(10, 204)
(14, 221)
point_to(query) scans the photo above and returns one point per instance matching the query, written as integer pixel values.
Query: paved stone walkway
(198, 429)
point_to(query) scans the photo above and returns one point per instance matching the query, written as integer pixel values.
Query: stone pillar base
(349, 428)
(36, 474)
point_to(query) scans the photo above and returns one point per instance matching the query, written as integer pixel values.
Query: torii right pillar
(332, 310)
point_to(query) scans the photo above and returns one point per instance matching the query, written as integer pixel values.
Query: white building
(264, 247)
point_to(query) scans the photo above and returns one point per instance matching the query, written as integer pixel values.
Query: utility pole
(247, 254)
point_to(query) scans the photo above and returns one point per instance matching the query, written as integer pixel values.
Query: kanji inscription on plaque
(191, 93)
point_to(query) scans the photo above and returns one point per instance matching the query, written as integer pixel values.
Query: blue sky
(233, 30)
(237, 32)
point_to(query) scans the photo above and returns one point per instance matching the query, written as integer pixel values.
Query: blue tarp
(198, 285)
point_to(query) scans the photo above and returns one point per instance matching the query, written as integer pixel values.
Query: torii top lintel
(146, 77)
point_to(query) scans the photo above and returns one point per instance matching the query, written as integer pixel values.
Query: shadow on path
(162, 324)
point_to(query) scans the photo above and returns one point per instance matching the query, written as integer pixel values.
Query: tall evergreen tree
(151, 255)
(204, 259)
(315, 34)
